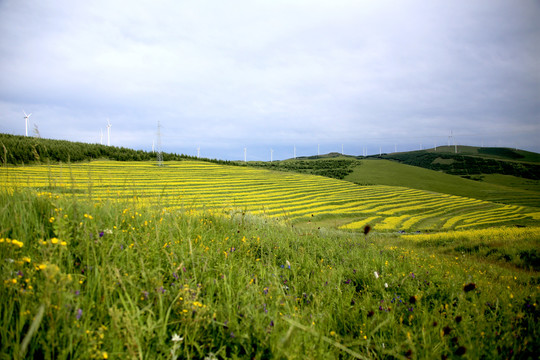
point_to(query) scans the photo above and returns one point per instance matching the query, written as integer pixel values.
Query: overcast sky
(261, 75)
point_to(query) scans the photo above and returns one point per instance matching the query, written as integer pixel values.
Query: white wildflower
(385, 285)
(177, 338)
(376, 275)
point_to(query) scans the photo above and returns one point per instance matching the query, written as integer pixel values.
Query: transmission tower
(159, 154)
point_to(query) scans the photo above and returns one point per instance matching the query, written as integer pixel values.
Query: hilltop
(20, 150)
(468, 161)
(494, 174)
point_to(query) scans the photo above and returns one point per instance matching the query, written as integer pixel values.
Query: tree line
(23, 150)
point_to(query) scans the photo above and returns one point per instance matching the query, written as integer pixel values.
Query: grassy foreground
(116, 280)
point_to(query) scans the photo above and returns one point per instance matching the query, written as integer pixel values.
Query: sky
(271, 77)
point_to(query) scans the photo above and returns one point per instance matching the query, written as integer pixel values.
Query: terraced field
(296, 197)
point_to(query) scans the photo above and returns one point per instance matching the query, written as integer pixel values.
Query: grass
(508, 191)
(296, 197)
(101, 266)
(118, 280)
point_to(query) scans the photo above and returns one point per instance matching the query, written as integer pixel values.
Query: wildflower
(386, 285)
(177, 338)
(51, 220)
(26, 259)
(105, 355)
(376, 274)
(17, 243)
(469, 287)
(288, 264)
(54, 241)
(42, 266)
(79, 314)
(101, 234)
(63, 243)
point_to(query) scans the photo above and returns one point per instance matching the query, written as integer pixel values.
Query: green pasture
(498, 188)
(115, 279)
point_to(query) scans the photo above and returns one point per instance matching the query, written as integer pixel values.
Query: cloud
(262, 74)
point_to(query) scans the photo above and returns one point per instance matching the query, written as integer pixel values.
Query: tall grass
(115, 279)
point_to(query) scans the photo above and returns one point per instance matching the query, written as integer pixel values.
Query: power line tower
(159, 154)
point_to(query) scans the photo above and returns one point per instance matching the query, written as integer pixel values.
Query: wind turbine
(271, 154)
(101, 136)
(108, 132)
(26, 121)
(245, 154)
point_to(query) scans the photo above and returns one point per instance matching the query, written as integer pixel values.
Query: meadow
(295, 197)
(202, 261)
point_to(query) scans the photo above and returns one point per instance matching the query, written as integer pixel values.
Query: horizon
(298, 155)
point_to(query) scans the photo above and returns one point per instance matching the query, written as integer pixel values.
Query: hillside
(385, 172)
(297, 198)
(470, 161)
(20, 150)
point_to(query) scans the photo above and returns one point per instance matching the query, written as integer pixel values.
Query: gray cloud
(273, 74)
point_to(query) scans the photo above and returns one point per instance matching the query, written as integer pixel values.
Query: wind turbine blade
(24, 112)
(29, 115)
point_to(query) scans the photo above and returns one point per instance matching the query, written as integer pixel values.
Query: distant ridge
(473, 161)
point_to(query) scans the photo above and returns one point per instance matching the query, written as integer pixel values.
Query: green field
(498, 188)
(194, 260)
(283, 195)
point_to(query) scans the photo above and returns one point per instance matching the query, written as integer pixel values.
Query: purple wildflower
(79, 313)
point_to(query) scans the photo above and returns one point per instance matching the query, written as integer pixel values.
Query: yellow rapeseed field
(194, 185)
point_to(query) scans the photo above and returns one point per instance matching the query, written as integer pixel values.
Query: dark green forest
(334, 168)
(22, 150)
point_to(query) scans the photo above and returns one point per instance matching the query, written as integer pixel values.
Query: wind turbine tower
(159, 154)
(26, 121)
(198, 152)
(271, 154)
(294, 152)
(101, 136)
(108, 132)
(245, 154)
